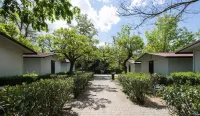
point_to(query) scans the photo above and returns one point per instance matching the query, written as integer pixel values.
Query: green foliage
(185, 77)
(183, 100)
(80, 82)
(126, 45)
(43, 98)
(17, 80)
(37, 12)
(166, 36)
(136, 85)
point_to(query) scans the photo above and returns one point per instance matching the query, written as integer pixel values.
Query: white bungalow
(11, 58)
(44, 63)
(165, 63)
(195, 49)
(133, 66)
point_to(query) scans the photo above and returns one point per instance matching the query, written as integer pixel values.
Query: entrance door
(52, 67)
(151, 67)
(129, 68)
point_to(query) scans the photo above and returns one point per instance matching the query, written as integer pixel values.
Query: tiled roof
(171, 54)
(38, 55)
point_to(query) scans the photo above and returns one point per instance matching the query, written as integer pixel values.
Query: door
(129, 68)
(151, 67)
(52, 67)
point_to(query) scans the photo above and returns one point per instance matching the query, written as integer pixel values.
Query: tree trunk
(71, 67)
(124, 65)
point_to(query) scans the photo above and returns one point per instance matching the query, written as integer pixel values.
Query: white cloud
(102, 19)
(138, 3)
(159, 2)
(104, 1)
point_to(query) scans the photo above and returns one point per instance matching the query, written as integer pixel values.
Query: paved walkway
(105, 98)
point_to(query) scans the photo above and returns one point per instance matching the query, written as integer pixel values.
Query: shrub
(42, 98)
(161, 79)
(136, 85)
(183, 100)
(80, 82)
(183, 77)
(17, 80)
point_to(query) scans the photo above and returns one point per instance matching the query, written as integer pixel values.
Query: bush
(183, 100)
(80, 82)
(161, 79)
(136, 85)
(17, 80)
(42, 98)
(183, 77)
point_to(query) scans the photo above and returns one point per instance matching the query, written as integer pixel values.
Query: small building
(11, 58)
(193, 48)
(44, 63)
(133, 66)
(165, 63)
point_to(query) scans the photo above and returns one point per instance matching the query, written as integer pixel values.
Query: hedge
(45, 97)
(185, 77)
(183, 100)
(80, 82)
(136, 85)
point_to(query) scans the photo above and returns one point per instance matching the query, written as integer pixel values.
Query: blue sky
(103, 15)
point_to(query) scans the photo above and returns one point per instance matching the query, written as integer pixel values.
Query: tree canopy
(167, 36)
(36, 13)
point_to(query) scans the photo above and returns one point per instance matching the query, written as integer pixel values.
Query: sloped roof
(133, 62)
(182, 50)
(167, 55)
(26, 48)
(38, 55)
(171, 54)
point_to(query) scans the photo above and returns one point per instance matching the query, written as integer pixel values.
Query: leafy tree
(72, 45)
(45, 43)
(166, 36)
(35, 13)
(12, 31)
(127, 45)
(85, 27)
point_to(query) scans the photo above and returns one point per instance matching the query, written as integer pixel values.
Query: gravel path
(105, 98)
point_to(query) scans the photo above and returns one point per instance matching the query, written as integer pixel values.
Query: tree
(71, 44)
(35, 13)
(85, 27)
(127, 45)
(155, 9)
(166, 36)
(12, 31)
(45, 43)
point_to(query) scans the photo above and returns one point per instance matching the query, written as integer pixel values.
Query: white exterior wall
(65, 66)
(11, 61)
(32, 65)
(196, 60)
(180, 65)
(58, 67)
(160, 64)
(137, 67)
(41, 66)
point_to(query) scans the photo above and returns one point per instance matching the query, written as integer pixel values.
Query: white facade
(42, 66)
(11, 58)
(65, 66)
(196, 59)
(133, 66)
(165, 66)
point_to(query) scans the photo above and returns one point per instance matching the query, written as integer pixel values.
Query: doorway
(151, 67)
(52, 67)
